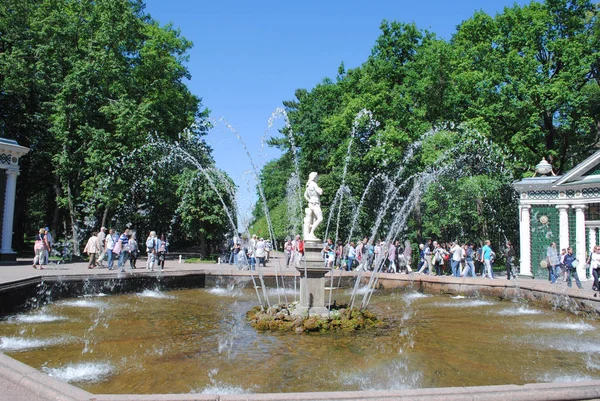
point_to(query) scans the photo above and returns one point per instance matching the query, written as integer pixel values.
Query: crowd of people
(434, 258)
(109, 247)
(249, 252)
(42, 248)
(564, 265)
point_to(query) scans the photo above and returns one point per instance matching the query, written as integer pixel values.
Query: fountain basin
(430, 285)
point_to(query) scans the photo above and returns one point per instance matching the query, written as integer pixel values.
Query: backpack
(150, 243)
(492, 257)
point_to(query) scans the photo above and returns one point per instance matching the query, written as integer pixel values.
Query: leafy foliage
(82, 84)
(467, 116)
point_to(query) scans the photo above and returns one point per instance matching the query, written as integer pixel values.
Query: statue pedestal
(312, 281)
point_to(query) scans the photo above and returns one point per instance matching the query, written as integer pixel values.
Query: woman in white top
(595, 266)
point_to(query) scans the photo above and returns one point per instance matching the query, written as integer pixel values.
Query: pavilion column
(580, 239)
(591, 239)
(9, 211)
(563, 224)
(525, 239)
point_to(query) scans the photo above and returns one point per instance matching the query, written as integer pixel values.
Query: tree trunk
(56, 217)
(73, 222)
(104, 217)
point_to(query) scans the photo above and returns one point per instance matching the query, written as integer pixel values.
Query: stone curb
(38, 382)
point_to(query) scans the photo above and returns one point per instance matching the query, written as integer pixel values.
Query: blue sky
(249, 56)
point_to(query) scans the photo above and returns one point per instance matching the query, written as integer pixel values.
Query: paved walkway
(22, 269)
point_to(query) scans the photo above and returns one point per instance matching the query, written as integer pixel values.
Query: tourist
(151, 250)
(296, 254)
(438, 257)
(552, 262)
(124, 249)
(101, 242)
(39, 247)
(134, 250)
(509, 254)
(351, 255)
(364, 254)
(428, 257)
(161, 251)
(408, 256)
(288, 248)
(595, 267)
(111, 240)
(92, 249)
(268, 249)
(469, 263)
(391, 256)
(564, 271)
(377, 251)
(49, 242)
(234, 244)
(339, 254)
(457, 255)
(421, 258)
(252, 251)
(479, 266)
(329, 253)
(260, 252)
(486, 259)
(571, 265)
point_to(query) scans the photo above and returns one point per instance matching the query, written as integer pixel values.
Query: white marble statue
(314, 215)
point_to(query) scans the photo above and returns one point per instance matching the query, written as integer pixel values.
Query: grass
(198, 260)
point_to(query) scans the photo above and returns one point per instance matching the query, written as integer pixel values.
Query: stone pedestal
(312, 281)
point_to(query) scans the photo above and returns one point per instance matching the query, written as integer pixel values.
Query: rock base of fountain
(283, 317)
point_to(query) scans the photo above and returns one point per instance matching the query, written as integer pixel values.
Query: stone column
(525, 239)
(9, 213)
(563, 223)
(580, 240)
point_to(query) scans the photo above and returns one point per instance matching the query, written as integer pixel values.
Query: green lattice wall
(543, 233)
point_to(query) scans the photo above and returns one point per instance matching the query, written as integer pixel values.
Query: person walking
(595, 267)
(101, 244)
(92, 249)
(39, 248)
(125, 250)
(351, 256)
(151, 250)
(163, 249)
(509, 254)
(134, 250)
(486, 259)
(392, 257)
(49, 242)
(457, 255)
(469, 263)
(438, 257)
(571, 263)
(111, 240)
(552, 262)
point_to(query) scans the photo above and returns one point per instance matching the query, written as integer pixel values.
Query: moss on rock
(281, 317)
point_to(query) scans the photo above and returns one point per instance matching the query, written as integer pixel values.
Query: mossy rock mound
(282, 318)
